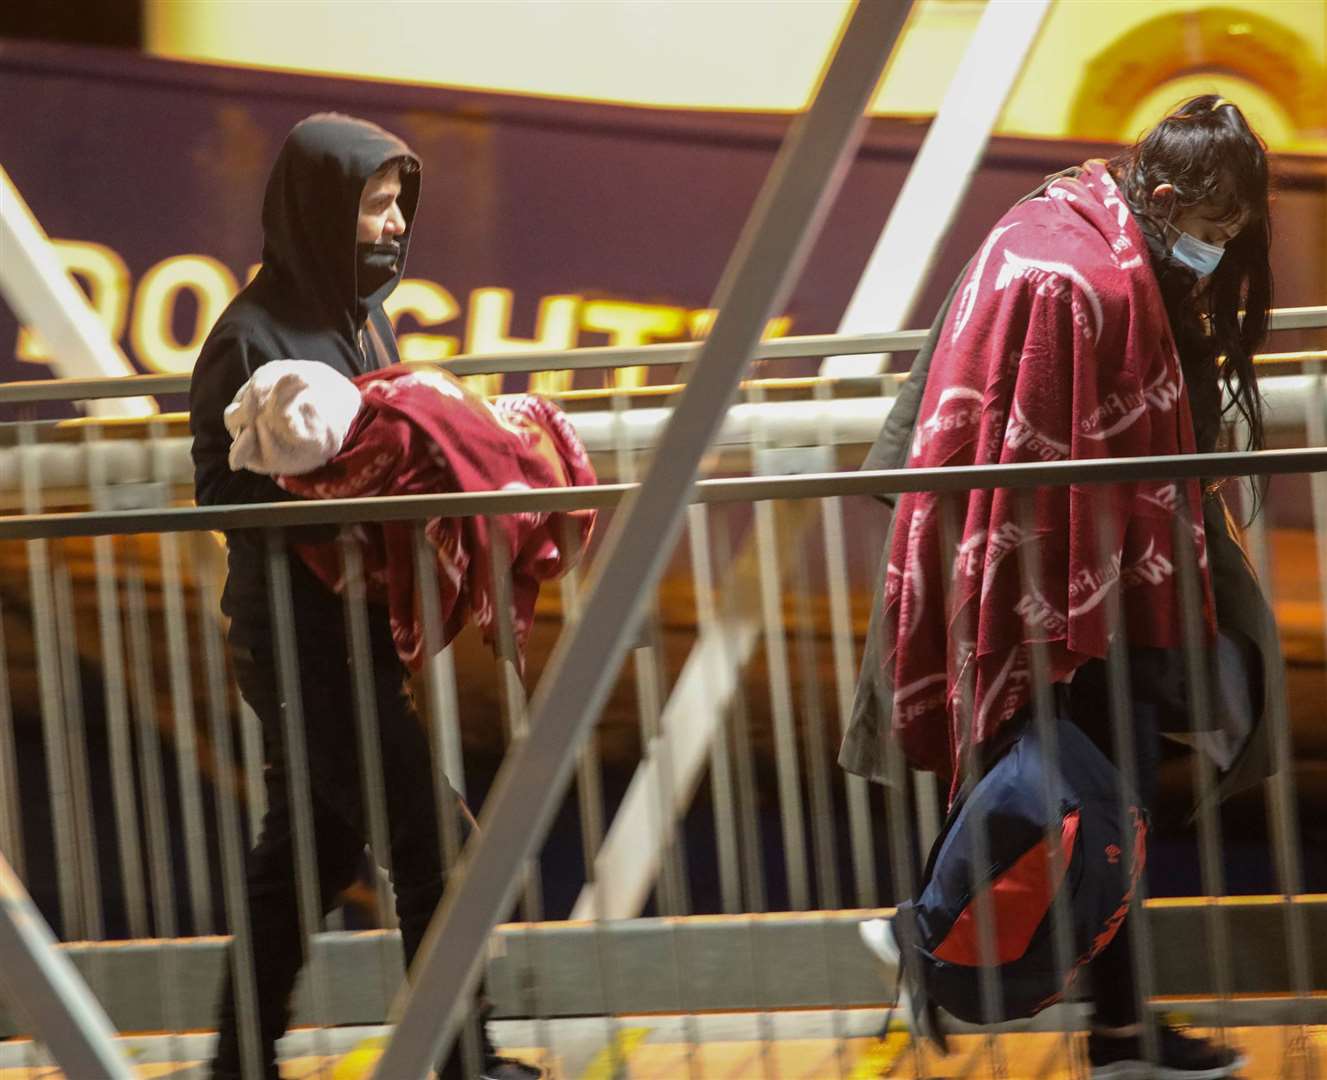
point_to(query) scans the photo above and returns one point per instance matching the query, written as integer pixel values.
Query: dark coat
(304, 304)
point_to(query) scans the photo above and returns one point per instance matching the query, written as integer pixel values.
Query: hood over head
(311, 210)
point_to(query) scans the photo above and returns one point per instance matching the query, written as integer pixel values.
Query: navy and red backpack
(938, 933)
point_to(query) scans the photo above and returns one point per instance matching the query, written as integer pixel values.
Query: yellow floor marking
(360, 1061)
(881, 1055)
(603, 1065)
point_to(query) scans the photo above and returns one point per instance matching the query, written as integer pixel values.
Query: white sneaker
(878, 936)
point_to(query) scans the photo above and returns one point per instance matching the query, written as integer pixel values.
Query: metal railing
(633, 860)
(585, 359)
(737, 595)
(792, 559)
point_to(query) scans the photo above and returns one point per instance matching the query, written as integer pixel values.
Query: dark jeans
(1086, 701)
(340, 828)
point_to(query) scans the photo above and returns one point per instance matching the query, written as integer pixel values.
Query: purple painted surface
(157, 159)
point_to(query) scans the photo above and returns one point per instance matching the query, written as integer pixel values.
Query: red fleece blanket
(1056, 346)
(422, 431)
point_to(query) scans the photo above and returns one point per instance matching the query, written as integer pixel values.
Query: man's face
(380, 218)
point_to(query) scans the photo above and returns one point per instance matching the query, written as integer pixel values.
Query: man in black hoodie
(336, 226)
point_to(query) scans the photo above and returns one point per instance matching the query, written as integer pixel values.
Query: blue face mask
(1198, 255)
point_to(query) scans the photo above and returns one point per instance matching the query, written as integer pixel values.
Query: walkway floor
(657, 1048)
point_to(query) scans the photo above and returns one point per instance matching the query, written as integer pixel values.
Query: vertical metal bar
(514, 705)
(590, 804)
(748, 797)
(229, 828)
(440, 688)
(840, 617)
(149, 753)
(49, 990)
(942, 170)
(1278, 789)
(822, 803)
(721, 780)
(589, 787)
(962, 642)
(153, 786)
(11, 807)
(1256, 533)
(1044, 721)
(297, 778)
(46, 645)
(769, 255)
(447, 764)
(902, 858)
(115, 699)
(674, 892)
(1316, 429)
(926, 803)
(372, 789)
(516, 710)
(80, 786)
(781, 710)
(447, 710)
(210, 560)
(1124, 741)
(251, 745)
(183, 727)
(752, 862)
(1185, 525)
(366, 714)
(1282, 813)
(787, 761)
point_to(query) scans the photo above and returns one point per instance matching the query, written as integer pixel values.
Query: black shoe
(505, 1068)
(497, 1067)
(1182, 1057)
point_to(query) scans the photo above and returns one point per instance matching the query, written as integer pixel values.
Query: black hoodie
(304, 304)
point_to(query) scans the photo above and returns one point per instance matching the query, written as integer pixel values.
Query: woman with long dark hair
(1198, 187)
(1113, 313)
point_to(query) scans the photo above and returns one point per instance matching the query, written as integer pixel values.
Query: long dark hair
(1208, 152)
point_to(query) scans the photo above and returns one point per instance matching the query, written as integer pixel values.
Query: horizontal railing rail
(597, 357)
(719, 490)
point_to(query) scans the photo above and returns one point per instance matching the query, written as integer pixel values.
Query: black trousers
(340, 831)
(1086, 701)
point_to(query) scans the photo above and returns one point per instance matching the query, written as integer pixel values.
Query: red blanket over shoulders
(1056, 346)
(420, 431)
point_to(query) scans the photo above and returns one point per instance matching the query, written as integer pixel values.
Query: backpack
(939, 932)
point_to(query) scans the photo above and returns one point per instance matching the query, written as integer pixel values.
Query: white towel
(290, 417)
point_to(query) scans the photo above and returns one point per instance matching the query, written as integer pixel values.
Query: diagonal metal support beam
(43, 295)
(44, 984)
(900, 265)
(767, 260)
(628, 861)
